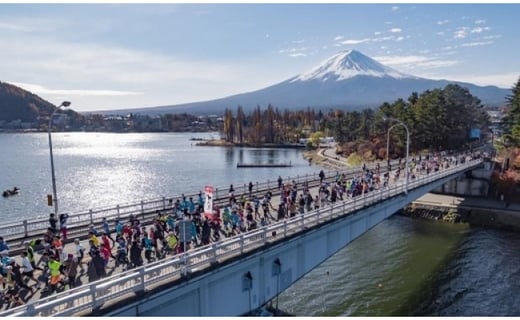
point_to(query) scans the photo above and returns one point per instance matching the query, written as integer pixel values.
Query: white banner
(208, 202)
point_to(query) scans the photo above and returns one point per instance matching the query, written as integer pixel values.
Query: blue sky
(109, 56)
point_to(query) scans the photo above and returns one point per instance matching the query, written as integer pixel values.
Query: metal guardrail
(85, 299)
(16, 231)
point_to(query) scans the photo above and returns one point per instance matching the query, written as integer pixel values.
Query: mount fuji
(348, 80)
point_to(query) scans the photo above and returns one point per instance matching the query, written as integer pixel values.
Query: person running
(3, 246)
(53, 223)
(63, 225)
(29, 251)
(55, 274)
(250, 188)
(71, 270)
(135, 254)
(106, 230)
(122, 253)
(148, 248)
(28, 269)
(80, 253)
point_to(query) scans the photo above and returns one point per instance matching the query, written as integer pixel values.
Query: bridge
(241, 273)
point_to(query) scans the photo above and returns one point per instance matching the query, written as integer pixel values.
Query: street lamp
(55, 197)
(400, 123)
(388, 144)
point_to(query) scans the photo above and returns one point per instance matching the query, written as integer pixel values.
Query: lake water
(401, 267)
(96, 170)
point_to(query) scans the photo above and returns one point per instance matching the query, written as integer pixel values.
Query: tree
(315, 137)
(512, 118)
(229, 128)
(240, 122)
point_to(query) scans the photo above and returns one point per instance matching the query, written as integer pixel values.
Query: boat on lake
(8, 193)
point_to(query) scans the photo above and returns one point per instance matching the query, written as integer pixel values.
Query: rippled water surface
(105, 169)
(414, 267)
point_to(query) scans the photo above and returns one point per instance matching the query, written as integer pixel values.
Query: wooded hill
(17, 103)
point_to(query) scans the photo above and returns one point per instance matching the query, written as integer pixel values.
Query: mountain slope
(347, 80)
(17, 103)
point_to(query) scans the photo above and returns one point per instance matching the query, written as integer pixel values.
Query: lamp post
(388, 144)
(400, 123)
(55, 197)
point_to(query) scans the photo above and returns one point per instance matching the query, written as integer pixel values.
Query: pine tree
(512, 118)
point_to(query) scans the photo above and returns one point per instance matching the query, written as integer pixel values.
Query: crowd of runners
(54, 262)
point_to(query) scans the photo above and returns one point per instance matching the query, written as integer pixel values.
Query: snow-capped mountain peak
(348, 64)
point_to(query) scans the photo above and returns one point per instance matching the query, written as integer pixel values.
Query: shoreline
(474, 211)
(222, 143)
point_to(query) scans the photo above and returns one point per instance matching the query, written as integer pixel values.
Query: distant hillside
(17, 103)
(348, 80)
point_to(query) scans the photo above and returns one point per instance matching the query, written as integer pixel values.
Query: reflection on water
(105, 169)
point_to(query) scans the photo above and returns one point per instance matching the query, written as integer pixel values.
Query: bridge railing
(36, 227)
(90, 297)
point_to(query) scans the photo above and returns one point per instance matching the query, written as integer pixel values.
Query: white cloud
(395, 8)
(440, 33)
(42, 90)
(294, 50)
(480, 21)
(479, 29)
(369, 40)
(504, 80)
(395, 30)
(461, 33)
(477, 43)
(127, 77)
(377, 33)
(299, 54)
(353, 41)
(441, 22)
(298, 41)
(337, 38)
(31, 25)
(413, 62)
